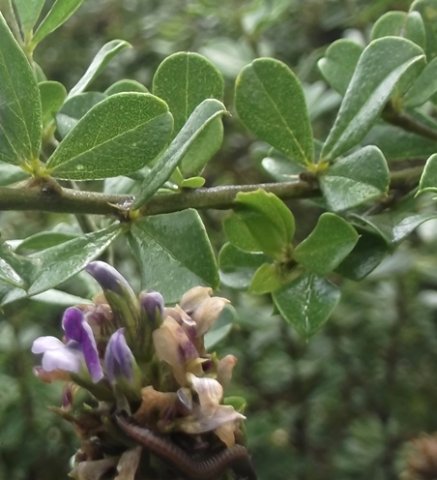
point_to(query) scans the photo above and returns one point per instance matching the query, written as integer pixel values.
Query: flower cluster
(128, 356)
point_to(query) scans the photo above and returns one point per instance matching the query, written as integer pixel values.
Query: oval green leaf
(382, 64)
(20, 105)
(53, 95)
(270, 102)
(183, 80)
(361, 176)
(54, 265)
(197, 80)
(118, 136)
(166, 264)
(268, 219)
(327, 245)
(307, 302)
(339, 62)
(102, 58)
(401, 24)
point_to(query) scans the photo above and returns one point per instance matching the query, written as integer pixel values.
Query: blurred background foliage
(342, 406)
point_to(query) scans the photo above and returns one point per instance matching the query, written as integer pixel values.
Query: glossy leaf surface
(119, 135)
(237, 267)
(184, 80)
(159, 243)
(355, 179)
(327, 245)
(382, 64)
(367, 254)
(20, 106)
(270, 102)
(339, 62)
(202, 116)
(307, 302)
(268, 219)
(102, 58)
(56, 264)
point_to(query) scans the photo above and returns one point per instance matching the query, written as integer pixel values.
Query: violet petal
(90, 353)
(118, 357)
(72, 324)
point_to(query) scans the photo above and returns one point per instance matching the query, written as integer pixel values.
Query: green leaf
(239, 234)
(102, 58)
(237, 267)
(267, 278)
(339, 62)
(428, 11)
(126, 85)
(327, 245)
(361, 176)
(53, 95)
(54, 265)
(367, 254)
(424, 87)
(175, 253)
(28, 12)
(270, 102)
(60, 12)
(400, 24)
(74, 109)
(117, 136)
(42, 240)
(20, 107)
(280, 168)
(396, 225)
(10, 174)
(307, 302)
(14, 269)
(397, 144)
(268, 219)
(369, 90)
(183, 80)
(193, 182)
(197, 80)
(7, 272)
(202, 116)
(428, 180)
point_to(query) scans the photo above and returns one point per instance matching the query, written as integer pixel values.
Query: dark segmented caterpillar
(205, 469)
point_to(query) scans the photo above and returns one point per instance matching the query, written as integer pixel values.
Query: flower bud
(118, 293)
(152, 308)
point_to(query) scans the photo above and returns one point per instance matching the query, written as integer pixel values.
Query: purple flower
(119, 360)
(152, 307)
(80, 347)
(118, 293)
